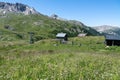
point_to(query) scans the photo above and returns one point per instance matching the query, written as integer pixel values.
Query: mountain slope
(16, 25)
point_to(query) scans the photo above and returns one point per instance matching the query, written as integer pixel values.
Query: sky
(90, 12)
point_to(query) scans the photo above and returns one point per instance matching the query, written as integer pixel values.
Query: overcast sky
(90, 12)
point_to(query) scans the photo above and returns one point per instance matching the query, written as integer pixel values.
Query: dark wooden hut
(62, 36)
(112, 40)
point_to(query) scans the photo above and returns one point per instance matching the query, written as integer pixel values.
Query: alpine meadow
(48, 58)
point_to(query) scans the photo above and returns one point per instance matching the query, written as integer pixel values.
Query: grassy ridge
(43, 26)
(81, 58)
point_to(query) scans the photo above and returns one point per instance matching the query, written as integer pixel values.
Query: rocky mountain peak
(16, 8)
(107, 29)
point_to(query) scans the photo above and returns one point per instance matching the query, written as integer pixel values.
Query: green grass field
(84, 58)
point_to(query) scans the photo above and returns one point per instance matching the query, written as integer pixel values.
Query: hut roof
(112, 37)
(61, 35)
(82, 34)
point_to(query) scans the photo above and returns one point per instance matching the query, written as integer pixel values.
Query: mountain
(16, 8)
(106, 29)
(16, 24)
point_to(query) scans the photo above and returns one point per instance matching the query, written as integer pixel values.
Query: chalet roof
(112, 37)
(82, 34)
(61, 35)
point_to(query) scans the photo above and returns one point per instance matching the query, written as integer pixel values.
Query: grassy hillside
(18, 26)
(81, 58)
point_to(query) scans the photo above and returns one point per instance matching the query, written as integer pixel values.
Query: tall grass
(67, 66)
(50, 60)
